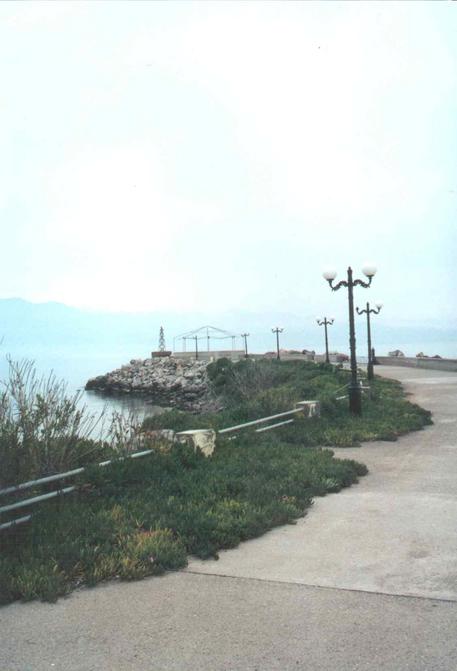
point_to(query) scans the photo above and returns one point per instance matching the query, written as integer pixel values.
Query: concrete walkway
(326, 594)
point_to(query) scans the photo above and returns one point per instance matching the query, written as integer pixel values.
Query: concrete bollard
(309, 408)
(200, 439)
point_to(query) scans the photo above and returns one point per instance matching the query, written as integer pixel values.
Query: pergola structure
(207, 333)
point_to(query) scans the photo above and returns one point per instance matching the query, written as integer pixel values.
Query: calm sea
(77, 365)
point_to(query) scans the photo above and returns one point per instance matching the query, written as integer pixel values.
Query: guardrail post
(203, 440)
(309, 408)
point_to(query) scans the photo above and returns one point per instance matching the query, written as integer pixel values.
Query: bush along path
(249, 390)
(143, 517)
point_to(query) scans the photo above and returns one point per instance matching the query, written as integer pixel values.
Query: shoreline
(165, 382)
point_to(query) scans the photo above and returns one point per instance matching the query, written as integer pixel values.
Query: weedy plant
(123, 433)
(43, 428)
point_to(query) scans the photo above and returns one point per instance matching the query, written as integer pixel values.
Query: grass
(143, 517)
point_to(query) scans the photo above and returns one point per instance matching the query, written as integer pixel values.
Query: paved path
(325, 594)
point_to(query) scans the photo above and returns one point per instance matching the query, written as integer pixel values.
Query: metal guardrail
(237, 427)
(43, 497)
(273, 426)
(24, 503)
(66, 474)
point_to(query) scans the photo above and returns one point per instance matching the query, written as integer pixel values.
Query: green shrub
(43, 430)
(386, 412)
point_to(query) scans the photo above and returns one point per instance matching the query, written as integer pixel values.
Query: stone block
(203, 440)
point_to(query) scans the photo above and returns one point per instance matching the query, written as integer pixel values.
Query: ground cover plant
(142, 517)
(253, 389)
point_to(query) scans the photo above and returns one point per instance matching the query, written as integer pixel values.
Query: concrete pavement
(189, 622)
(325, 594)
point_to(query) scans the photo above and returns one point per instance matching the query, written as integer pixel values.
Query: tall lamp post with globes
(325, 323)
(355, 397)
(369, 311)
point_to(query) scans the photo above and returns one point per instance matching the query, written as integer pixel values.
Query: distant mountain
(26, 322)
(27, 326)
(22, 322)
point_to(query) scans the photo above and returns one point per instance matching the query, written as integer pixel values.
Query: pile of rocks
(166, 381)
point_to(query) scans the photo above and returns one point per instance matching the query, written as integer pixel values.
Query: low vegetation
(254, 389)
(142, 517)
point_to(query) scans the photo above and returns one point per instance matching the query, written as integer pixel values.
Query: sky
(198, 156)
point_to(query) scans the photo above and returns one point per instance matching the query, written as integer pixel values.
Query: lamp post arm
(343, 283)
(361, 283)
(375, 311)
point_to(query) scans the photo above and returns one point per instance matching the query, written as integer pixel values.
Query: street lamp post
(369, 311)
(277, 330)
(325, 323)
(355, 397)
(245, 336)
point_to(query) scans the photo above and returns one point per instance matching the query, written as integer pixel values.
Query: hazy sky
(215, 156)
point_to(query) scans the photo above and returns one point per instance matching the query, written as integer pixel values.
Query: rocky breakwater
(165, 381)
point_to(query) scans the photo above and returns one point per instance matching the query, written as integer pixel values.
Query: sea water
(75, 366)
